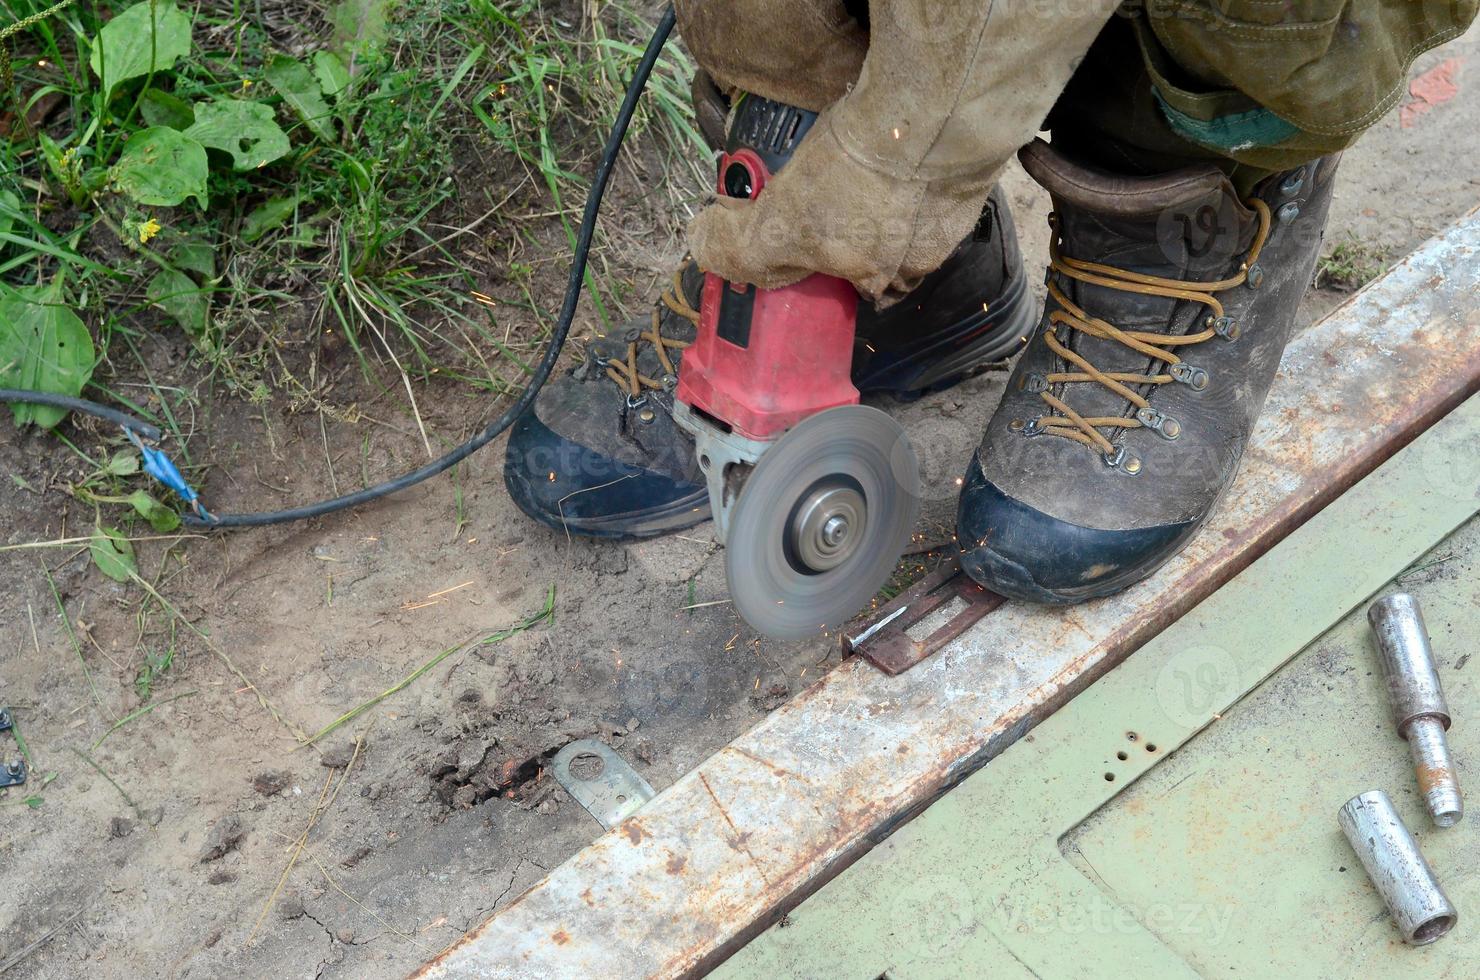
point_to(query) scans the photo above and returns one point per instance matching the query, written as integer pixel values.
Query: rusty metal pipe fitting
(1397, 868)
(1419, 709)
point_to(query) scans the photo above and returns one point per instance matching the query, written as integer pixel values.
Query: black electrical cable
(492, 431)
(144, 429)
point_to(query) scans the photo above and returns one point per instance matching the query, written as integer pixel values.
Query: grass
(1350, 265)
(450, 135)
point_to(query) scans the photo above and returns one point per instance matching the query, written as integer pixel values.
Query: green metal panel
(1212, 847)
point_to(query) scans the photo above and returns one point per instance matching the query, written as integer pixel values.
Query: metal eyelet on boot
(1031, 428)
(1293, 182)
(1288, 212)
(637, 402)
(646, 416)
(1163, 425)
(1190, 375)
(1124, 460)
(1255, 277)
(1035, 383)
(1226, 327)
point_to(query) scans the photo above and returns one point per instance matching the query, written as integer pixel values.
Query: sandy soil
(434, 809)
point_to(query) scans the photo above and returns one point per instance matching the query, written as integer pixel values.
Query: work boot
(1170, 301)
(599, 453)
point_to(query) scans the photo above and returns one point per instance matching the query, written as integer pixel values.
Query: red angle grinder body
(764, 359)
(814, 495)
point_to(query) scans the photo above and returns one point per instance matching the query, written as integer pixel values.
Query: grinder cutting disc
(821, 522)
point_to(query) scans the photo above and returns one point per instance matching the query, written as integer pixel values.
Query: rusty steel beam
(757, 827)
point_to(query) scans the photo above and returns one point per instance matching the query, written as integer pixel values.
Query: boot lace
(623, 370)
(1087, 431)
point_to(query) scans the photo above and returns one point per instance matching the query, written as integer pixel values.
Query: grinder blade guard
(813, 495)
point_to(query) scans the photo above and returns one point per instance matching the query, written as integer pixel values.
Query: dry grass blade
(547, 613)
(137, 713)
(407, 937)
(319, 810)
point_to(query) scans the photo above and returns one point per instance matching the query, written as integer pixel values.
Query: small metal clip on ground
(12, 773)
(609, 789)
(1419, 709)
(1419, 907)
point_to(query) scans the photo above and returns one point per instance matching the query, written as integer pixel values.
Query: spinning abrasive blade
(821, 522)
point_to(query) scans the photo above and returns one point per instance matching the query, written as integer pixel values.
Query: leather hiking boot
(1170, 301)
(599, 454)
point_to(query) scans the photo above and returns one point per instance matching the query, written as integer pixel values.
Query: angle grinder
(813, 495)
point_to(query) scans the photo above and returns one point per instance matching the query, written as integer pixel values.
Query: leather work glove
(895, 173)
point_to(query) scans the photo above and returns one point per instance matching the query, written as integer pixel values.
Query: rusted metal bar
(757, 827)
(886, 641)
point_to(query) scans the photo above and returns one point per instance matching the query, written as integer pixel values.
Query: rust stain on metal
(676, 863)
(1432, 777)
(560, 937)
(739, 840)
(766, 763)
(633, 829)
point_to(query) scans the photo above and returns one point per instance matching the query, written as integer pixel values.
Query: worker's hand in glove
(895, 173)
(828, 212)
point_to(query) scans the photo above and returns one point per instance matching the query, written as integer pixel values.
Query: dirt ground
(434, 809)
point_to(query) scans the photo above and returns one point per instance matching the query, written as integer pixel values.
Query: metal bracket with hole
(11, 773)
(611, 792)
(886, 641)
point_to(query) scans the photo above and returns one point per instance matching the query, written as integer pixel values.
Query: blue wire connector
(163, 469)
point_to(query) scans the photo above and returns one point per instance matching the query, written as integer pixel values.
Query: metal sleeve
(1397, 868)
(1407, 661)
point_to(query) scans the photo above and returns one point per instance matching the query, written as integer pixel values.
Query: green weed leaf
(268, 216)
(197, 257)
(163, 519)
(161, 167)
(113, 554)
(177, 294)
(296, 84)
(125, 462)
(332, 75)
(43, 347)
(10, 206)
(163, 109)
(147, 37)
(246, 130)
